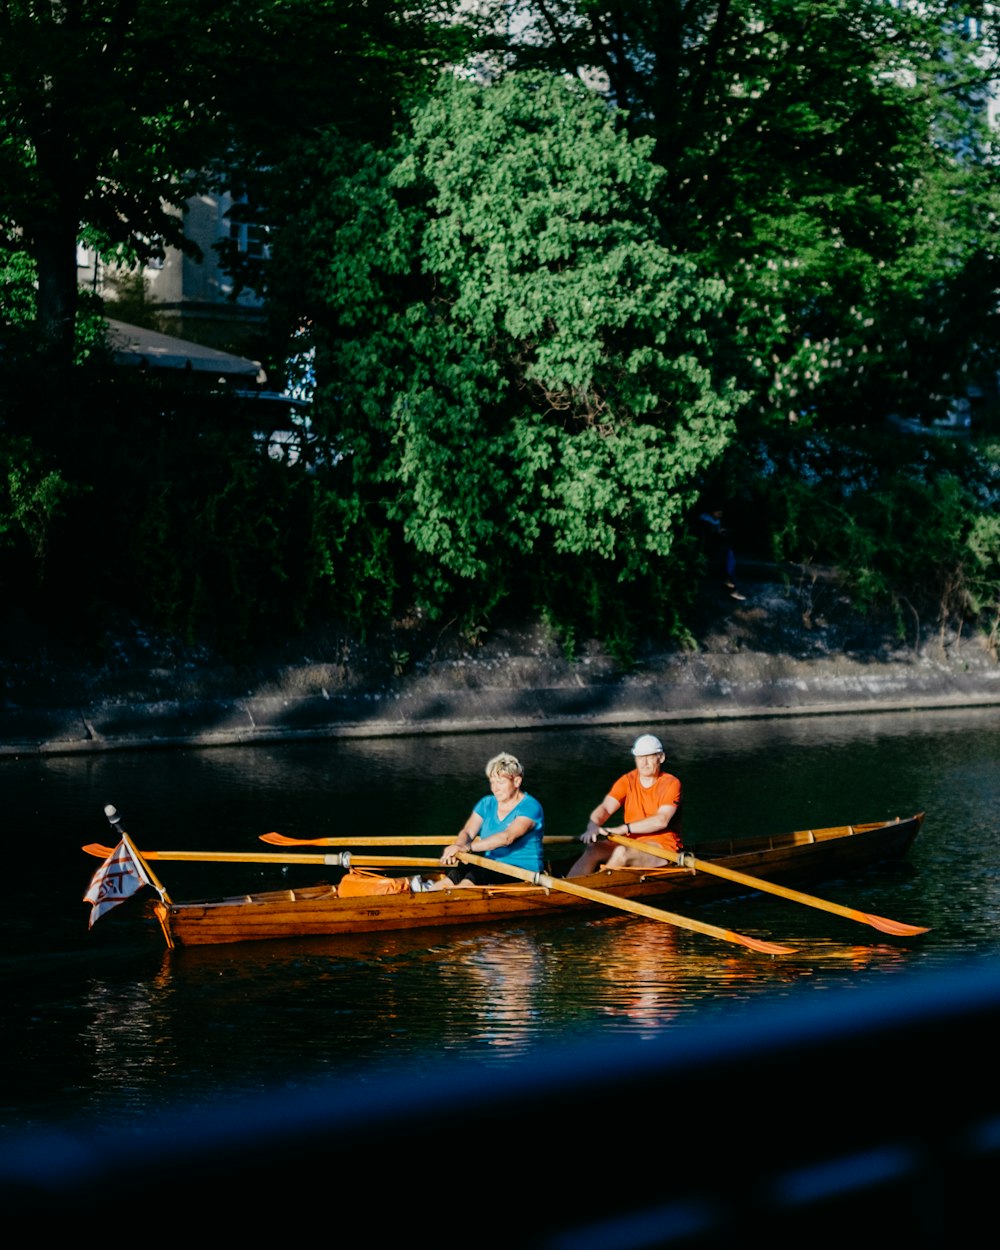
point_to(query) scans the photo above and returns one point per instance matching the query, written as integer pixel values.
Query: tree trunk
(55, 255)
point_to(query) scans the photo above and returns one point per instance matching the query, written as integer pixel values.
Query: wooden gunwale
(316, 911)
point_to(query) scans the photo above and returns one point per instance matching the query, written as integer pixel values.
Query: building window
(247, 236)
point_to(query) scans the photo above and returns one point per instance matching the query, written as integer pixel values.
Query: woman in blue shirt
(506, 825)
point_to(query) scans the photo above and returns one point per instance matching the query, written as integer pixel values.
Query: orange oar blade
(755, 944)
(895, 927)
(98, 851)
(280, 839)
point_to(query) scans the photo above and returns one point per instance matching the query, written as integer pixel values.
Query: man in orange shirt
(651, 799)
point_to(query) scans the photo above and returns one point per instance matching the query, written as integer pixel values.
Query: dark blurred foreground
(852, 1116)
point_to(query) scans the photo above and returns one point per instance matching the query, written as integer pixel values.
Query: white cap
(647, 745)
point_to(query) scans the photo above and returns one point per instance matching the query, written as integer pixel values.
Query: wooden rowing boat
(318, 911)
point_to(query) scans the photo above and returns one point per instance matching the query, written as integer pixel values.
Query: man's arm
(598, 816)
(649, 824)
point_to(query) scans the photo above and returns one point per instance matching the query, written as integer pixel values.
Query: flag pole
(140, 859)
(160, 908)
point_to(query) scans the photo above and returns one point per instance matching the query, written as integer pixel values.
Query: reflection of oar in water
(623, 904)
(686, 860)
(430, 839)
(340, 859)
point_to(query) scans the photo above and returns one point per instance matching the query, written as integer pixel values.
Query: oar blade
(281, 839)
(755, 944)
(895, 927)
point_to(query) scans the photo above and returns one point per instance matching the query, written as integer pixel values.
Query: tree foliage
(912, 527)
(113, 113)
(831, 158)
(551, 300)
(513, 355)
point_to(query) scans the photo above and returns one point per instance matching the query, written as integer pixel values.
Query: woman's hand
(449, 856)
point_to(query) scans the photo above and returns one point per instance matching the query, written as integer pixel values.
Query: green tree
(830, 157)
(519, 371)
(32, 497)
(113, 113)
(912, 535)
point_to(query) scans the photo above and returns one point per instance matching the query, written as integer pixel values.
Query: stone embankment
(792, 648)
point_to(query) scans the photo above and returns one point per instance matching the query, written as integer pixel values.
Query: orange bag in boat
(357, 882)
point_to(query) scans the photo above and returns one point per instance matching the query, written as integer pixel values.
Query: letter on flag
(117, 879)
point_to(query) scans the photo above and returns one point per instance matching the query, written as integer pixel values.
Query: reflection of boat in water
(320, 911)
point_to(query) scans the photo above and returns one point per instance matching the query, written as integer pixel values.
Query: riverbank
(792, 647)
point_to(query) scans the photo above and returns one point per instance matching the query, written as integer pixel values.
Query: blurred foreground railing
(859, 1117)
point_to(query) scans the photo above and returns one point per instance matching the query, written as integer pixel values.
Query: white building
(181, 295)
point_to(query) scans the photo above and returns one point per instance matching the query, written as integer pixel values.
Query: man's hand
(593, 833)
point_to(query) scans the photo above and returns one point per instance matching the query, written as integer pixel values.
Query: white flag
(117, 879)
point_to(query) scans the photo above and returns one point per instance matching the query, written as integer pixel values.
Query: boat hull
(318, 912)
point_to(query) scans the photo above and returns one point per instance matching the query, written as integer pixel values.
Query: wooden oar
(686, 860)
(623, 904)
(281, 839)
(340, 859)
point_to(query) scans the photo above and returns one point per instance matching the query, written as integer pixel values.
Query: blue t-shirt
(526, 852)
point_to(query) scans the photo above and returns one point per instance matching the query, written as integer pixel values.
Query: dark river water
(86, 1011)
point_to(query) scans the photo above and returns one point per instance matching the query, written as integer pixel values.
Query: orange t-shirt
(639, 801)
